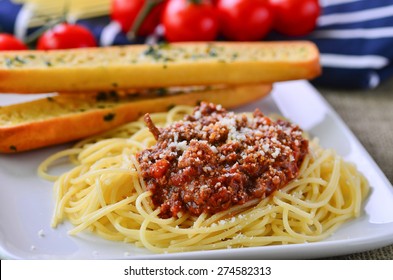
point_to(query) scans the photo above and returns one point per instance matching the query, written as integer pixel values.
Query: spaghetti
(106, 194)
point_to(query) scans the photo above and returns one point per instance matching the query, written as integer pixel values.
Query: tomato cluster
(9, 42)
(205, 20)
(60, 36)
(188, 20)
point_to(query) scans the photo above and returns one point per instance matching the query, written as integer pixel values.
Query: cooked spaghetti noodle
(105, 194)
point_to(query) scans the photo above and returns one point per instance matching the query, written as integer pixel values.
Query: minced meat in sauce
(214, 159)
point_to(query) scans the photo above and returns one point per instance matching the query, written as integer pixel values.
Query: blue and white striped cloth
(355, 38)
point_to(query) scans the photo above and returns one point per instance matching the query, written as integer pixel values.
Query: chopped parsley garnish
(161, 91)
(20, 60)
(14, 60)
(153, 52)
(8, 62)
(212, 51)
(170, 106)
(114, 95)
(101, 96)
(235, 55)
(108, 117)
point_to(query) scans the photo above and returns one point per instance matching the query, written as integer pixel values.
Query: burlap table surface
(369, 114)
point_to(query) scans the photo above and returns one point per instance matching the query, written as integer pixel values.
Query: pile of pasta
(104, 194)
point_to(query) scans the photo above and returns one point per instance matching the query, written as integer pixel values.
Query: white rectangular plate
(26, 202)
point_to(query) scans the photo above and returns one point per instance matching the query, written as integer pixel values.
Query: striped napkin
(355, 38)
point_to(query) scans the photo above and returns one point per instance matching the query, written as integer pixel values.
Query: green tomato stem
(143, 13)
(196, 2)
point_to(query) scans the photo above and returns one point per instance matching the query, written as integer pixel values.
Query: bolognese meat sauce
(214, 159)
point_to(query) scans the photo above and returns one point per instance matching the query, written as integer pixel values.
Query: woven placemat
(369, 114)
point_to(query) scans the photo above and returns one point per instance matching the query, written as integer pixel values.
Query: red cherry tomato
(126, 11)
(66, 36)
(245, 20)
(186, 20)
(9, 43)
(295, 17)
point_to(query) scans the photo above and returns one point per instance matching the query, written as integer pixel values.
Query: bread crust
(142, 66)
(28, 134)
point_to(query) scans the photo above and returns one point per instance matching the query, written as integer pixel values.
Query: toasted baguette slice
(63, 118)
(143, 66)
